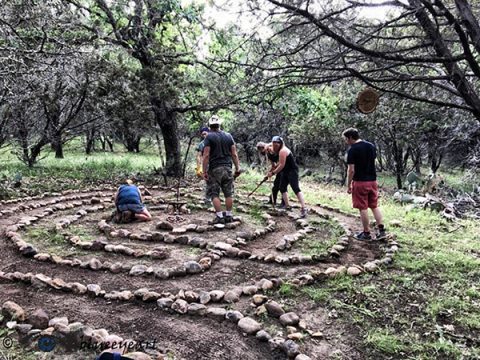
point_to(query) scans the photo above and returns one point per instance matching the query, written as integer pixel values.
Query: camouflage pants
(220, 178)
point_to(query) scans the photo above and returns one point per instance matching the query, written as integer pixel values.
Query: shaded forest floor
(426, 305)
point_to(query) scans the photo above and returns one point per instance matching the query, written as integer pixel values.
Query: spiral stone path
(176, 287)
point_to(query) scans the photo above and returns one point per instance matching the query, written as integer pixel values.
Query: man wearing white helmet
(218, 154)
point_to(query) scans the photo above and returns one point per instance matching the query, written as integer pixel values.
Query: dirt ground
(183, 336)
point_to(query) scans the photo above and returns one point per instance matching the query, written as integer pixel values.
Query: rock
(99, 335)
(157, 236)
(191, 296)
(192, 267)
(216, 295)
(331, 272)
(204, 297)
(180, 306)
(263, 336)
(28, 251)
(219, 226)
(23, 328)
(259, 299)
(165, 303)
(250, 290)
(290, 318)
(274, 309)
(302, 357)
(222, 246)
(39, 319)
(161, 273)
(98, 245)
(178, 231)
(13, 311)
(296, 336)
(138, 356)
(282, 245)
(138, 270)
(353, 271)
(233, 295)
(197, 309)
(243, 254)
(78, 288)
(164, 225)
(249, 325)
(290, 348)
(95, 264)
(94, 289)
(58, 321)
(151, 296)
(370, 266)
(265, 284)
(234, 316)
(217, 313)
(205, 263)
(116, 268)
(160, 253)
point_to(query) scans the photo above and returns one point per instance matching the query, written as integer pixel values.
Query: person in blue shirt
(128, 201)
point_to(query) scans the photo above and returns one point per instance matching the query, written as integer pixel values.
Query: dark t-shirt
(362, 155)
(220, 144)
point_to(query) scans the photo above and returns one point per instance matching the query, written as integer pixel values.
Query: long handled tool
(261, 182)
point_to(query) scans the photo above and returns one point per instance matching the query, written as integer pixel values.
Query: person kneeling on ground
(128, 201)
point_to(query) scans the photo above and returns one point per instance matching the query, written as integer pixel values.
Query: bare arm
(206, 159)
(236, 162)
(199, 159)
(350, 172)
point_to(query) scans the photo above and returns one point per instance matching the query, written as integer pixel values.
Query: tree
(425, 51)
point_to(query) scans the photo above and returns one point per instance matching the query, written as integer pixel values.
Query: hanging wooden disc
(367, 100)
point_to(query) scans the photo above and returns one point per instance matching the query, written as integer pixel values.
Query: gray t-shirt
(220, 144)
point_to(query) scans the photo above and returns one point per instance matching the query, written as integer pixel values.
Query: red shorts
(364, 194)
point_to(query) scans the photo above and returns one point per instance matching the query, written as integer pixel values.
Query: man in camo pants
(218, 154)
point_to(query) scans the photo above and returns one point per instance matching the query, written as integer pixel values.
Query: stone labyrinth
(176, 287)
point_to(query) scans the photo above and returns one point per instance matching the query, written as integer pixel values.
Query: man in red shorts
(362, 182)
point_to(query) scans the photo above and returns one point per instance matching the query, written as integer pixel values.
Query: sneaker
(303, 213)
(283, 207)
(381, 235)
(217, 220)
(362, 236)
(228, 219)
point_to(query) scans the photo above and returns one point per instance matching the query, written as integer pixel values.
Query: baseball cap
(277, 139)
(204, 128)
(214, 120)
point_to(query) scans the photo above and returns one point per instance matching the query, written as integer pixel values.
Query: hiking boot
(363, 236)
(283, 207)
(303, 213)
(217, 220)
(228, 219)
(381, 234)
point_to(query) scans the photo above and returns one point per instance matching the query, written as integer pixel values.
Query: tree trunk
(58, 145)
(167, 122)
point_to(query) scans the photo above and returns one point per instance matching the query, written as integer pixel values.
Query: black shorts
(276, 183)
(291, 178)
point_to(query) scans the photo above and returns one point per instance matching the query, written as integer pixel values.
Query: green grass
(397, 313)
(325, 237)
